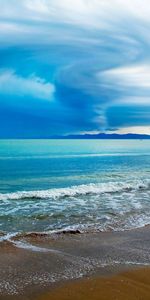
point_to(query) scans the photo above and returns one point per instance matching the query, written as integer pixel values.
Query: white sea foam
(105, 206)
(8, 236)
(101, 188)
(28, 246)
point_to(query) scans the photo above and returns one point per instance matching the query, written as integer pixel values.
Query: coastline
(34, 265)
(131, 285)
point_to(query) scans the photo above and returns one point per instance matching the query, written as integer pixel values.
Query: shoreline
(131, 285)
(55, 260)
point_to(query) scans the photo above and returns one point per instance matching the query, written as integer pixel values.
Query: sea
(74, 185)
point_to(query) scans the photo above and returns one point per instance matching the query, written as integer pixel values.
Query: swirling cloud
(91, 57)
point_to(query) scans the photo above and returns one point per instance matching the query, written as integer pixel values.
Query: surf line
(9, 237)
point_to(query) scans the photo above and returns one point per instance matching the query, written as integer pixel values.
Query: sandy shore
(34, 265)
(133, 285)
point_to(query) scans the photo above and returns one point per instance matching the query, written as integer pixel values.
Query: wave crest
(101, 188)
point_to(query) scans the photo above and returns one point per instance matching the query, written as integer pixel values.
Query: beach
(62, 264)
(133, 285)
(74, 150)
(72, 213)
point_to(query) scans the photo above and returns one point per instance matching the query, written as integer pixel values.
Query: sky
(74, 67)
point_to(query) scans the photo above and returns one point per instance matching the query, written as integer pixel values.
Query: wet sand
(133, 285)
(44, 264)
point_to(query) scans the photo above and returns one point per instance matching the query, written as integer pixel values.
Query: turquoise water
(50, 185)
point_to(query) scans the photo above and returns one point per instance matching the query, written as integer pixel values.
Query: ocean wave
(80, 190)
(80, 155)
(24, 239)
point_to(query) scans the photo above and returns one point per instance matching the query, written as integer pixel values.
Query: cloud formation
(12, 84)
(91, 57)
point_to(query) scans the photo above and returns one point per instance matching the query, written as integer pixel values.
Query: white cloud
(134, 100)
(37, 6)
(13, 84)
(130, 84)
(136, 76)
(86, 11)
(93, 13)
(31, 21)
(133, 129)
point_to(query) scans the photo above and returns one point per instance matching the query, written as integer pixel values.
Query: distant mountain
(102, 136)
(105, 136)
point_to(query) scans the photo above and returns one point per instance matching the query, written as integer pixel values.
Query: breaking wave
(101, 188)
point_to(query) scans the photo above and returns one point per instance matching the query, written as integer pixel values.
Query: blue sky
(74, 67)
